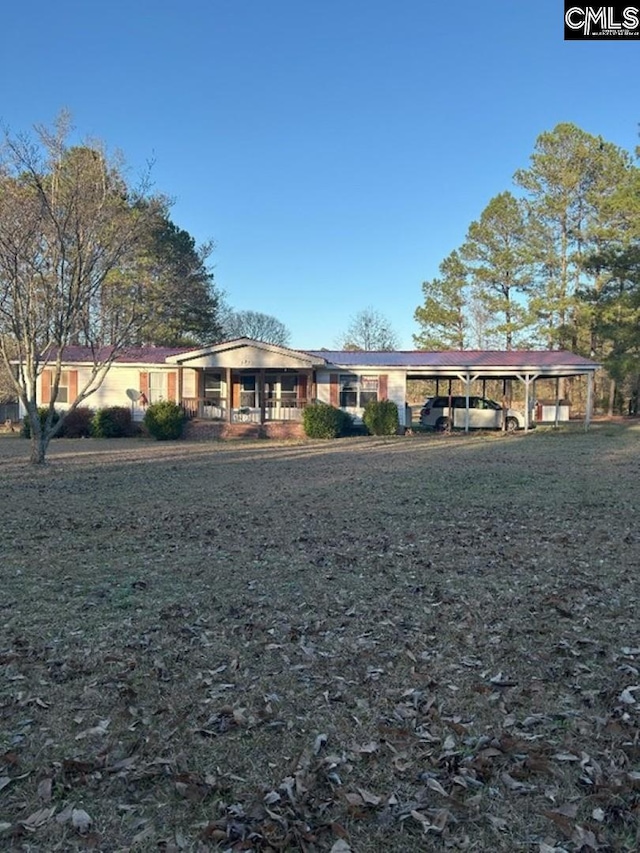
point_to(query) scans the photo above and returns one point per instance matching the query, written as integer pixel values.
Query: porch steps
(205, 430)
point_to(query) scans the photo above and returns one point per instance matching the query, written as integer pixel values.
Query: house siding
(391, 386)
(112, 392)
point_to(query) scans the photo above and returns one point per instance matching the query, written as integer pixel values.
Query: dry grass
(426, 643)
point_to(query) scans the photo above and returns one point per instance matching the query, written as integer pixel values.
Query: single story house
(246, 381)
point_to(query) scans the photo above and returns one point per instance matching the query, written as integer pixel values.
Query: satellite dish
(133, 394)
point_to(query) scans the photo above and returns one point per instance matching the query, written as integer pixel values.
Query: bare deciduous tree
(254, 324)
(369, 330)
(69, 226)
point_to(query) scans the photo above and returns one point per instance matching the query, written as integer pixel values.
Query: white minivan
(483, 414)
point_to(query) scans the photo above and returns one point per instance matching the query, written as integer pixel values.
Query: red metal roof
(443, 360)
(128, 355)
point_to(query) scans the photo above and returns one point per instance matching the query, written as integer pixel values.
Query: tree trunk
(38, 449)
(612, 397)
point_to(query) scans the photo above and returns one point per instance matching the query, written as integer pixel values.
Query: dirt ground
(427, 642)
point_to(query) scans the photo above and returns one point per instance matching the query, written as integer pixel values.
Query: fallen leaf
(44, 790)
(81, 821)
(498, 823)
(272, 797)
(38, 818)
(319, 742)
(449, 743)
(369, 798)
(584, 838)
(434, 785)
(514, 785)
(435, 822)
(627, 695)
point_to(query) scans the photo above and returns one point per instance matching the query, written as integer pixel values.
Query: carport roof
(549, 362)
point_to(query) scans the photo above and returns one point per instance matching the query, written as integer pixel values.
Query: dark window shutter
(333, 389)
(172, 387)
(45, 387)
(73, 386)
(144, 386)
(383, 387)
(302, 387)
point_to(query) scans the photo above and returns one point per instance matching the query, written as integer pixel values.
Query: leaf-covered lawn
(426, 642)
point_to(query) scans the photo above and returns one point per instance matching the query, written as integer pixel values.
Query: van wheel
(512, 424)
(442, 425)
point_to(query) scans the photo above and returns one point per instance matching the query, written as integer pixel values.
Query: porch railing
(216, 410)
(205, 407)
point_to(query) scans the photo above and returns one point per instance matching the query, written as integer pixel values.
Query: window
(348, 391)
(357, 392)
(157, 387)
(213, 387)
(368, 389)
(288, 389)
(63, 387)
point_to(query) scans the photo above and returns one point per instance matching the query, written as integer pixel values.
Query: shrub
(381, 417)
(323, 421)
(43, 411)
(112, 422)
(77, 424)
(165, 420)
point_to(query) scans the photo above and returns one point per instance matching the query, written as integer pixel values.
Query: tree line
(554, 264)
(89, 258)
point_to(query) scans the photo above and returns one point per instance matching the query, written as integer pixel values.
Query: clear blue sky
(335, 150)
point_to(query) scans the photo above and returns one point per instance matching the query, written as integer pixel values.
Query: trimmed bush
(112, 422)
(77, 424)
(381, 417)
(323, 421)
(43, 411)
(165, 420)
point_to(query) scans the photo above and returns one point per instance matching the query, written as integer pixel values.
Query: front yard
(426, 642)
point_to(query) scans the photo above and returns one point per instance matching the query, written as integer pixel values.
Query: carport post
(557, 417)
(527, 378)
(504, 405)
(467, 386)
(587, 414)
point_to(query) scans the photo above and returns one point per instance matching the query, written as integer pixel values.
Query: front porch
(247, 396)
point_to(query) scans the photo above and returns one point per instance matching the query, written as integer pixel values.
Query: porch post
(229, 386)
(312, 387)
(557, 416)
(261, 397)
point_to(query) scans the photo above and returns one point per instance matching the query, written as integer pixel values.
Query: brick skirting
(201, 430)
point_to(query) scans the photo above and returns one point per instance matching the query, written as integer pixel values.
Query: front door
(248, 391)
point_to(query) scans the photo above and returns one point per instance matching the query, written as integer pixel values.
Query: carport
(525, 366)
